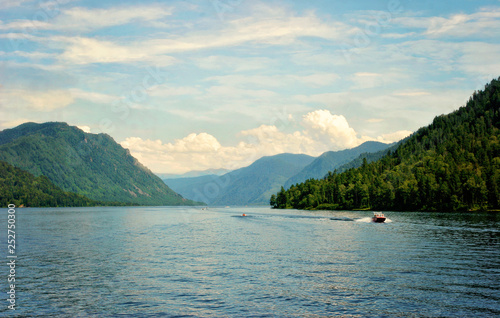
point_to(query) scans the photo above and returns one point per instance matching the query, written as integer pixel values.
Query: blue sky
(192, 85)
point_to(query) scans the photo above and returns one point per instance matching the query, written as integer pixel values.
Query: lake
(186, 262)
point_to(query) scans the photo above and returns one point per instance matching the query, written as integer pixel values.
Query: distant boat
(378, 217)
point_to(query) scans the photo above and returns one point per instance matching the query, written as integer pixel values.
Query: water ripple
(182, 262)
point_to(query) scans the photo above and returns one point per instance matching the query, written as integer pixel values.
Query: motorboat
(378, 217)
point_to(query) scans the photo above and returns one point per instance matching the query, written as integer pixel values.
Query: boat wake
(364, 220)
(369, 220)
(341, 219)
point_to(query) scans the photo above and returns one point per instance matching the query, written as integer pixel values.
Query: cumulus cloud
(322, 131)
(193, 152)
(84, 128)
(332, 130)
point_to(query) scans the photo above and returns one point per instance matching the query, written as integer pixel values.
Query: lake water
(185, 262)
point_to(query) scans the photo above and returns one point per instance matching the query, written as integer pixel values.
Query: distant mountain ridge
(93, 165)
(249, 185)
(194, 173)
(332, 160)
(255, 184)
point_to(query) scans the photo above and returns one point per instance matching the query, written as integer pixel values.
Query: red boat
(378, 217)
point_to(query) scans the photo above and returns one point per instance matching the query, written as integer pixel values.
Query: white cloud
(84, 128)
(395, 136)
(25, 25)
(14, 123)
(50, 100)
(412, 93)
(432, 56)
(6, 4)
(364, 80)
(45, 101)
(480, 59)
(86, 19)
(229, 92)
(482, 24)
(268, 30)
(404, 109)
(83, 20)
(88, 50)
(266, 27)
(331, 130)
(93, 97)
(194, 152)
(30, 55)
(313, 80)
(321, 132)
(166, 90)
(235, 64)
(397, 35)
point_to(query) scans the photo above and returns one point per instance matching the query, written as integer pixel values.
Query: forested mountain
(368, 156)
(332, 160)
(93, 165)
(21, 188)
(452, 164)
(250, 185)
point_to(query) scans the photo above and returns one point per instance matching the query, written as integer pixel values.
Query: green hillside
(453, 164)
(93, 165)
(21, 188)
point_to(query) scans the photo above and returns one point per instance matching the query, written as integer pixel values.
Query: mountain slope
(21, 188)
(331, 160)
(250, 185)
(369, 156)
(452, 164)
(93, 165)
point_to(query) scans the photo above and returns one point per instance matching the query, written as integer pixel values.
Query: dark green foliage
(93, 165)
(21, 188)
(451, 165)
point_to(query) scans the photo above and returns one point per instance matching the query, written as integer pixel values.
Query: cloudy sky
(199, 84)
